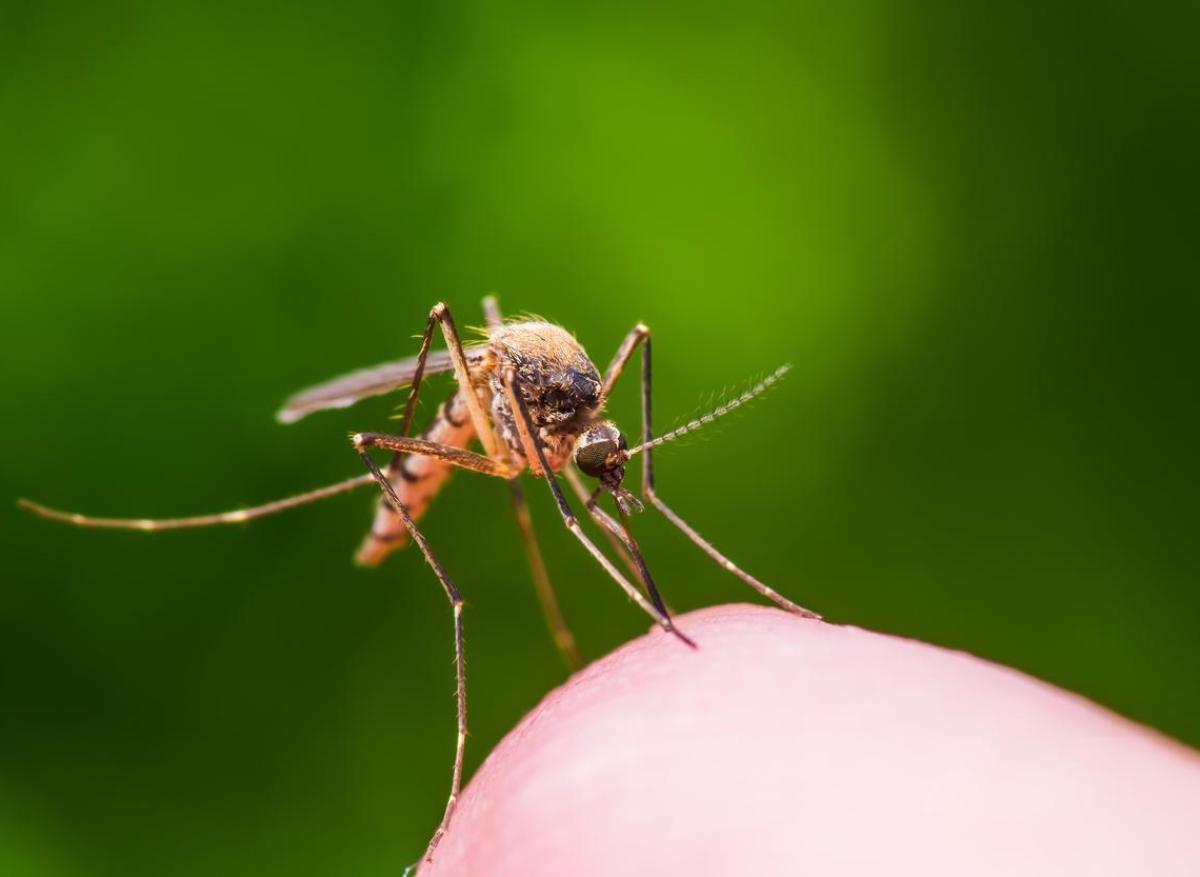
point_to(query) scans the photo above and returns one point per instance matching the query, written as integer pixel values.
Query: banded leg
(483, 425)
(533, 451)
(238, 516)
(418, 467)
(402, 445)
(583, 495)
(387, 531)
(439, 315)
(460, 668)
(564, 640)
(621, 532)
(641, 335)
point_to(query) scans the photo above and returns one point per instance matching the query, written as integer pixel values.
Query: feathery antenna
(721, 410)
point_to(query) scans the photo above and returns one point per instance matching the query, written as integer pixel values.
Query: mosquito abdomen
(417, 480)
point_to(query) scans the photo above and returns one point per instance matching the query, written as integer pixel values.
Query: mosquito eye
(591, 458)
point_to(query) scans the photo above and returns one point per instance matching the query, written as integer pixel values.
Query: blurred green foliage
(970, 227)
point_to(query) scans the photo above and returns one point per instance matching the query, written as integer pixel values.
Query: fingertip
(784, 743)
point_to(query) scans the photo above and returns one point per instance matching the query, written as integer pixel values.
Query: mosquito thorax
(600, 453)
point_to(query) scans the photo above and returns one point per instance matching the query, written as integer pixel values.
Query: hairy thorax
(561, 387)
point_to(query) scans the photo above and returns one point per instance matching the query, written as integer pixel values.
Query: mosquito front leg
(564, 640)
(641, 335)
(533, 451)
(460, 669)
(619, 531)
(583, 495)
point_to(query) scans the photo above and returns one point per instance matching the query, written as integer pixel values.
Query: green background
(971, 229)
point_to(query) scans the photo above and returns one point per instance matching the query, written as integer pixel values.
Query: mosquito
(531, 398)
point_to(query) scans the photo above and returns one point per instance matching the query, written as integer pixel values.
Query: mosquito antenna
(150, 525)
(719, 411)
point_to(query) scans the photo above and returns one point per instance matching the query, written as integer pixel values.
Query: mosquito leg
(637, 335)
(479, 418)
(708, 548)
(533, 450)
(494, 319)
(439, 314)
(581, 493)
(618, 546)
(621, 532)
(460, 670)
(641, 334)
(387, 532)
(239, 516)
(402, 445)
(491, 312)
(563, 638)
(410, 405)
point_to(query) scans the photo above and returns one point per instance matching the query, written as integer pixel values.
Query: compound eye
(621, 443)
(592, 458)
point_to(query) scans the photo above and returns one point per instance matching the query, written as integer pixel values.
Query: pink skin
(791, 747)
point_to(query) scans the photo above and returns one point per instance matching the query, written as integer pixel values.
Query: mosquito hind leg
(534, 451)
(618, 546)
(640, 336)
(620, 532)
(564, 640)
(583, 495)
(460, 669)
(155, 525)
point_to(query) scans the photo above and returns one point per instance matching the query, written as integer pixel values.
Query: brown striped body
(562, 390)
(417, 480)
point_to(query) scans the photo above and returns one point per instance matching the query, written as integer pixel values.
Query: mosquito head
(602, 452)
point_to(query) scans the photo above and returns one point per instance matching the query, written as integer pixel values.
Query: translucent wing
(344, 391)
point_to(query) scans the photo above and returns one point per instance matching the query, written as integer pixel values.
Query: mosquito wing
(344, 391)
